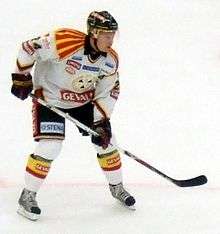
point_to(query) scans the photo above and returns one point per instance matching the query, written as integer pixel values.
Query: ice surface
(168, 115)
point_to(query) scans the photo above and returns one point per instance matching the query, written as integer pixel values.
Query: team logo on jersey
(67, 95)
(90, 68)
(83, 82)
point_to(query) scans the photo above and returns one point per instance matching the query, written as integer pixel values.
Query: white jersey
(67, 76)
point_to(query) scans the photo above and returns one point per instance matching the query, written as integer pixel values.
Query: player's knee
(48, 149)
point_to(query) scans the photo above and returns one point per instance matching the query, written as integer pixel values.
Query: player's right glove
(22, 85)
(103, 128)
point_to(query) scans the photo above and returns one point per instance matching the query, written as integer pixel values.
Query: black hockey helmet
(101, 21)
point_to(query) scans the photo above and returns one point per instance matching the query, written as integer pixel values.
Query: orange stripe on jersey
(63, 40)
(66, 45)
(68, 41)
(63, 53)
(62, 49)
(69, 31)
(66, 34)
(63, 36)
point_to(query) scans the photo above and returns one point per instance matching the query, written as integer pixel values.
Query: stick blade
(197, 181)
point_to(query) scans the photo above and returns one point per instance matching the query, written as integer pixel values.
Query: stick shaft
(181, 183)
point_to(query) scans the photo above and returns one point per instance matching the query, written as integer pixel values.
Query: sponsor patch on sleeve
(115, 91)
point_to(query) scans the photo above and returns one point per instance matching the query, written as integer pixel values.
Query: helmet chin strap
(96, 45)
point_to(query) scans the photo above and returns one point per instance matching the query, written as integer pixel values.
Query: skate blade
(131, 207)
(28, 215)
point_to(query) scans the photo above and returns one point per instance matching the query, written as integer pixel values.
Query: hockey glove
(103, 128)
(22, 85)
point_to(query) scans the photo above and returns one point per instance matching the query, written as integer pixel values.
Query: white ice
(168, 115)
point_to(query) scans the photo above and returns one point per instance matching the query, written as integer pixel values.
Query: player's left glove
(22, 85)
(103, 128)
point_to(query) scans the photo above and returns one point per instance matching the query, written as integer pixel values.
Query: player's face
(105, 41)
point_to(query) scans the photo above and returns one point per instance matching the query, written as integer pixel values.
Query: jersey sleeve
(35, 50)
(106, 95)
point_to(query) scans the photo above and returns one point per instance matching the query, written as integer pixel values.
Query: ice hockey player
(77, 73)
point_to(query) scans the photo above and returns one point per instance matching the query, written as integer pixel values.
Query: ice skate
(122, 195)
(28, 206)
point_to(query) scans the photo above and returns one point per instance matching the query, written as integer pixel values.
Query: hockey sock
(36, 171)
(111, 166)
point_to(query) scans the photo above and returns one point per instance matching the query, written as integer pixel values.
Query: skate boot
(122, 195)
(28, 206)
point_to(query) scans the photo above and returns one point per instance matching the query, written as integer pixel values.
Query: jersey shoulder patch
(68, 41)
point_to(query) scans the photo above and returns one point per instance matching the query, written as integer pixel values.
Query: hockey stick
(196, 181)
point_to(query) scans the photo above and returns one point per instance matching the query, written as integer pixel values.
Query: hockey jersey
(67, 75)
